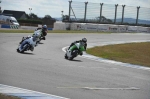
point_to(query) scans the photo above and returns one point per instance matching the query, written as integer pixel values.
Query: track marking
(95, 88)
(91, 57)
(130, 88)
(26, 94)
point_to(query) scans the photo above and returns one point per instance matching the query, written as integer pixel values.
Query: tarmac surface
(45, 69)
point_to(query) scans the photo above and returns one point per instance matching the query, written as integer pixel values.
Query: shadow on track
(27, 53)
(75, 60)
(41, 43)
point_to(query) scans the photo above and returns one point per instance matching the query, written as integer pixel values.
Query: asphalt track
(45, 69)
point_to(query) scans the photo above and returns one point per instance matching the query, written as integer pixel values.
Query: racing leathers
(73, 43)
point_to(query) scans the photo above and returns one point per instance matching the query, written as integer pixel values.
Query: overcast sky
(54, 7)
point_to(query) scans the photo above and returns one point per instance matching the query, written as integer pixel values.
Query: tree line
(34, 19)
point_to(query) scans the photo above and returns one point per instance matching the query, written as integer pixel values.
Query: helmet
(44, 29)
(36, 36)
(84, 40)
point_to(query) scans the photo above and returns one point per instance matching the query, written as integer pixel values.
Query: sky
(54, 7)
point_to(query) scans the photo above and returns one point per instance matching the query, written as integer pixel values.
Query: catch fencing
(100, 13)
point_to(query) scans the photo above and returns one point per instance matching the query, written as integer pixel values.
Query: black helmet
(84, 40)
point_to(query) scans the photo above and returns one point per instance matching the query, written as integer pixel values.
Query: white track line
(91, 57)
(130, 88)
(26, 94)
(98, 88)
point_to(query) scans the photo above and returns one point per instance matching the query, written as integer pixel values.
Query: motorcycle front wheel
(24, 48)
(66, 57)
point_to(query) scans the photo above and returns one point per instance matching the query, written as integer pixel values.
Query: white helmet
(44, 27)
(36, 36)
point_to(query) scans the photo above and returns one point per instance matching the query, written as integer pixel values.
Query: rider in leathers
(42, 31)
(32, 40)
(84, 40)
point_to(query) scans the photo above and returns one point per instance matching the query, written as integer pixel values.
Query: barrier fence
(87, 12)
(5, 26)
(9, 26)
(101, 27)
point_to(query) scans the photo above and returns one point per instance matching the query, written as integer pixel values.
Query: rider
(43, 31)
(84, 40)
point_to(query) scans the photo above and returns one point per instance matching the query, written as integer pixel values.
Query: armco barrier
(101, 27)
(20, 27)
(28, 27)
(5, 26)
(31, 28)
(50, 28)
(9, 26)
(14, 26)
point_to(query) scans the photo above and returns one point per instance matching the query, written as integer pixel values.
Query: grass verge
(3, 96)
(134, 53)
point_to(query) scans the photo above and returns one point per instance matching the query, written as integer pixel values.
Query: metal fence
(101, 13)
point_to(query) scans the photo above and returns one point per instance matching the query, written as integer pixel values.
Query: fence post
(122, 13)
(137, 15)
(101, 4)
(115, 13)
(70, 8)
(85, 11)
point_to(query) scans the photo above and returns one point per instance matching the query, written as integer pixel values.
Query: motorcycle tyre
(24, 48)
(71, 58)
(66, 57)
(18, 50)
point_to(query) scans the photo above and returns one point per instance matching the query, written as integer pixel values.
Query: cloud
(54, 7)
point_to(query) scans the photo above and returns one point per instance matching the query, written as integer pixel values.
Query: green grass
(53, 31)
(134, 53)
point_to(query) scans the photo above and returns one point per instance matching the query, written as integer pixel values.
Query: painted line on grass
(26, 94)
(91, 57)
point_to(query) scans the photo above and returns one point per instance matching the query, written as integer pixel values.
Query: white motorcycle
(28, 43)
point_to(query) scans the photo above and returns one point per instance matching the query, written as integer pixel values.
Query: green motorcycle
(75, 50)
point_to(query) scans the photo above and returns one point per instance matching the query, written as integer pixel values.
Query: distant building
(16, 14)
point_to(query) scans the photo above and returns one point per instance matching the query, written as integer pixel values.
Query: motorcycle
(27, 43)
(75, 50)
(41, 36)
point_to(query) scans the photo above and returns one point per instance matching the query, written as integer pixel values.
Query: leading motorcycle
(75, 50)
